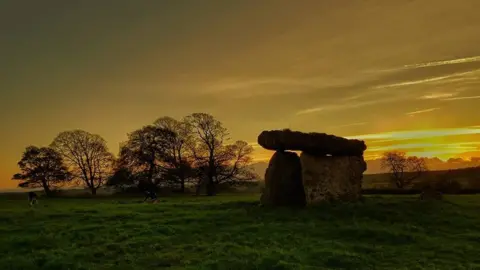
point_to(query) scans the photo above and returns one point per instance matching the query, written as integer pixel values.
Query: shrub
(446, 184)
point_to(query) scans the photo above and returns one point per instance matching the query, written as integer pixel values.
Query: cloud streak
(462, 98)
(444, 62)
(462, 146)
(351, 105)
(422, 111)
(454, 77)
(415, 82)
(438, 96)
(417, 134)
(350, 125)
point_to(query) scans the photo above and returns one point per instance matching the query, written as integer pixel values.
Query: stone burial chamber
(329, 168)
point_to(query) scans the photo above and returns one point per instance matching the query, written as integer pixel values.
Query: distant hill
(467, 177)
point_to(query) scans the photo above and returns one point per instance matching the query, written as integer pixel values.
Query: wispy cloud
(463, 98)
(311, 110)
(422, 111)
(459, 76)
(231, 84)
(350, 125)
(414, 82)
(417, 134)
(464, 60)
(436, 153)
(268, 86)
(438, 95)
(350, 105)
(462, 146)
(444, 62)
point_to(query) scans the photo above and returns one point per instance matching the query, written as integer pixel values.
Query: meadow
(234, 232)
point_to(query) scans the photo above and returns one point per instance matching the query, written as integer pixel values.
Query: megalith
(319, 144)
(332, 178)
(330, 168)
(283, 181)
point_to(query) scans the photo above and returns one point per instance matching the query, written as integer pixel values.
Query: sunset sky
(398, 74)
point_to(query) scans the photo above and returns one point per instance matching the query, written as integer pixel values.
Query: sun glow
(441, 143)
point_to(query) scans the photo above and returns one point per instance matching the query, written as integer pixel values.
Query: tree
(178, 161)
(145, 151)
(42, 167)
(122, 178)
(86, 155)
(233, 164)
(403, 169)
(216, 162)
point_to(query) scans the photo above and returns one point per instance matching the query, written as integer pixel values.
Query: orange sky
(399, 74)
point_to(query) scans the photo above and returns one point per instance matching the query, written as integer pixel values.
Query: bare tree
(146, 150)
(217, 163)
(42, 167)
(208, 137)
(403, 169)
(233, 164)
(178, 162)
(86, 155)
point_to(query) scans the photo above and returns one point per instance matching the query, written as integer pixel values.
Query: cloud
(444, 62)
(462, 98)
(414, 82)
(311, 110)
(269, 86)
(351, 105)
(453, 77)
(417, 134)
(462, 146)
(435, 153)
(422, 111)
(440, 63)
(351, 125)
(438, 96)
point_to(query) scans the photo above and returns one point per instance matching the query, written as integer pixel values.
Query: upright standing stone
(327, 178)
(283, 181)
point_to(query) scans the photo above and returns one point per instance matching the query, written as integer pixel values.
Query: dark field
(233, 232)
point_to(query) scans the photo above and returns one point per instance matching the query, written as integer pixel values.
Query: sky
(397, 74)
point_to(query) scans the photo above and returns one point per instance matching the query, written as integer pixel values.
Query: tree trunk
(210, 187)
(210, 175)
(46, 188)
(199, 187)
(94, 190)
(182, 185)
(150, 173)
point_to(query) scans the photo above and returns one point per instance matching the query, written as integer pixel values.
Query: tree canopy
(86, 155)
(177, 153)
(42, 167)
(403, 169)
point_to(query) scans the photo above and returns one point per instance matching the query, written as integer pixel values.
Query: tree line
(168, 152)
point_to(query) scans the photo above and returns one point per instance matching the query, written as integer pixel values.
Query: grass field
(233, 232)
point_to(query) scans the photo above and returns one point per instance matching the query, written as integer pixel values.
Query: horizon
(401, 76)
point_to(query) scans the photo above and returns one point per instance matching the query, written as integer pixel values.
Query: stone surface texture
(319, 144)
(327, 179)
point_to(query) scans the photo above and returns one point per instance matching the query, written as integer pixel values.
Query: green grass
(233, 232)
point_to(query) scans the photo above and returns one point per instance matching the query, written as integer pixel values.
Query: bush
(446, 184)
